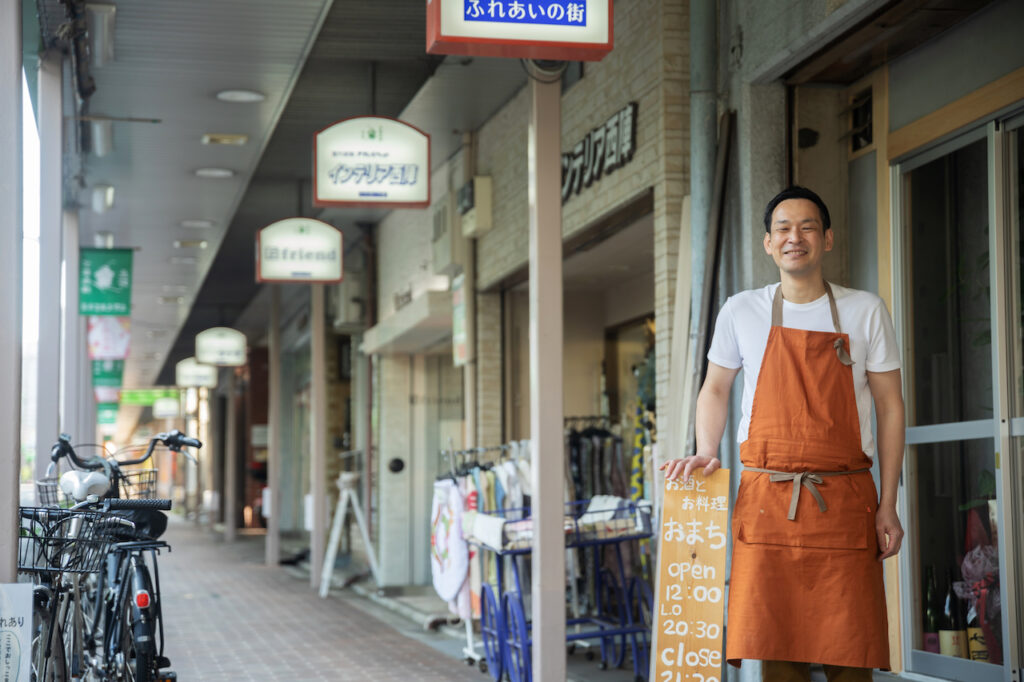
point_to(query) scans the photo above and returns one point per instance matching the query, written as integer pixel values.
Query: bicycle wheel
(492, 632)
(48, 660)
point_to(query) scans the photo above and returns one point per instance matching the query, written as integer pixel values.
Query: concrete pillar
(10, 285)
(71, 339)
(209, 462)
(273, 543)
(546, 389)
(231, 463)
(86, 396)
(51, 145)
(318, 432)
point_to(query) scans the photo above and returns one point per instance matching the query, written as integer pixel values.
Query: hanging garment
(449, 553)
(470, 497)
(806, 583)
(513, 489)
(636, 482)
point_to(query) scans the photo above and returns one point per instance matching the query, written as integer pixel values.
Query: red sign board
(569, 30)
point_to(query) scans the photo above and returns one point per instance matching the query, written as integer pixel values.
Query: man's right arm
(712, 412)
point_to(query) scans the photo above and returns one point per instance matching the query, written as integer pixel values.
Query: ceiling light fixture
(215, 172)
(171, 300)
(101, 137)
(190, 243)
(231, 139)
(198, 223)
(241, 96)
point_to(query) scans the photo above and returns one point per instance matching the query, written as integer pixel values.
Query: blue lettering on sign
(557, 12)
(374, 173)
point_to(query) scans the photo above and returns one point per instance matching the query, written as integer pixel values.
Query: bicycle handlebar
(118, 504)
(175, 440)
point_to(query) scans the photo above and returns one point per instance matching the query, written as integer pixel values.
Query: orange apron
(806, 584)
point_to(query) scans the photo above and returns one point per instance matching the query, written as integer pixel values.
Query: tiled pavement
(228, 617)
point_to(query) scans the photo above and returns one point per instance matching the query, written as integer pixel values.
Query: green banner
(107, 373)
(145, 397)
(105, 282)
(106, 413)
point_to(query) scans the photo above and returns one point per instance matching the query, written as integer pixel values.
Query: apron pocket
(833, 529)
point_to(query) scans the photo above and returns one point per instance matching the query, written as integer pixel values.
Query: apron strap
(808, 479)
(841, 352)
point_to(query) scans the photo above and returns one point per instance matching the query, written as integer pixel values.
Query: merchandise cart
(620, 619)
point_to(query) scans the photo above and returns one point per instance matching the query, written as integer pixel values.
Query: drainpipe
(703, 139)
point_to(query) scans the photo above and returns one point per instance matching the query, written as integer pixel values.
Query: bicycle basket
(138, 484)
(56, 541)
(48, 492)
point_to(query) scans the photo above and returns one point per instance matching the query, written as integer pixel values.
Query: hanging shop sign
(299, 250)
(191, 374)
(145, 397)
(166, 408)
(690, 600)
(460, 340)
(221, 346)
(371, 161)
(105, 282)
(108, 337)
(106, 413)
(107, 373)
(569, 30)
(604, 149)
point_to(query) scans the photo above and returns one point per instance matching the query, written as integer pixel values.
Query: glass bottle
(932, 614)
(953, 632)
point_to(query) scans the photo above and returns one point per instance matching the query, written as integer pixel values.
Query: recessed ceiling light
(173, 289)
(198, 223)
(184, 260)
(236, 139)
(240, 96)
(172, 300)
(190, 243)
(214, 172)
(158, 333)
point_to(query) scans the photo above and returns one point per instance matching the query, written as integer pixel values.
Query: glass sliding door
(952, 496)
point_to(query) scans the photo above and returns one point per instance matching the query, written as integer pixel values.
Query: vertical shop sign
(569, 30)
(107, 373)
(15, 631)
(166, 408)
(108, 337)
(460, 341)
(689, 604)
(299, 250)
(371, 161)
(105, 282)
(106, 413)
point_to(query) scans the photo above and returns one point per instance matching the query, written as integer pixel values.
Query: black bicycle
(121, 625)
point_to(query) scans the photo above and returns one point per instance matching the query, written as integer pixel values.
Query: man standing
(809, 530)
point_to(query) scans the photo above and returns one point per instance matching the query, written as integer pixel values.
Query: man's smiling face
(797, 243)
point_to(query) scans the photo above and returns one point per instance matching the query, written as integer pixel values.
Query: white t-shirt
(741, 335)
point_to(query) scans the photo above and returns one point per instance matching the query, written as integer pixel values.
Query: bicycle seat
(80, 484)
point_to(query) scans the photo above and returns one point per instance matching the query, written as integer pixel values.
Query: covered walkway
(229, 617)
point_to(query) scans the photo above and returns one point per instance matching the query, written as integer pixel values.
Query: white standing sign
(15, 631)
(299, 250)
(371, 161)
(190, 374)
(221, 346)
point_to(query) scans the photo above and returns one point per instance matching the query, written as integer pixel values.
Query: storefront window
(953, 531)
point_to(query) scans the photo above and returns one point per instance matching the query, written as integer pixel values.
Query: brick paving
(229, 617)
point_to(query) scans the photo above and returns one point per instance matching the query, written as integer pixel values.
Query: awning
(420, 325)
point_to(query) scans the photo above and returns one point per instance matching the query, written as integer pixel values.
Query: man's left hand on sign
(686, 465)
(889, 531)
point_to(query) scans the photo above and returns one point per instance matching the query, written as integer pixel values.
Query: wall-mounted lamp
(102, 198)
(101, 32)
(101, 134)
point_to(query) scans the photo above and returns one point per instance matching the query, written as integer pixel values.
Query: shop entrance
(958, 310)
(609, 332)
